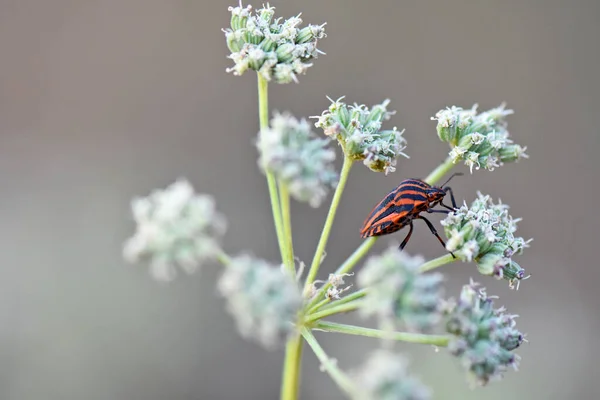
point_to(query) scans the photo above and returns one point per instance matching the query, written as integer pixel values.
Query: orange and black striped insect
(403, 205)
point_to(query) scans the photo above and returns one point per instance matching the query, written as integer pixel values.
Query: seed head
(398, 294)
(480, 140)
(277, 50)
(175, 226)
(298, 158)
(483, 336)
(262, 298)
(385, 376)
(485, 233)
(358, 130)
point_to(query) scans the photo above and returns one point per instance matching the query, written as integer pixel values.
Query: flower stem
(316, 262)
(440, 171)
(436, 340)
(284, 196)
(437, 262)
(223, 258)
(338, 376)
(290, 382)
(346, 267)
(342, 308)
(323, 304)
(263, 114)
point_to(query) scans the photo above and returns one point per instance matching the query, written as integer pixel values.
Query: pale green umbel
(278, 50)
(175, 227)
(484, 336)
(298, 158)
(263, 299)
(480, 140)
(385, 376)
(484, 232)
(398, 295)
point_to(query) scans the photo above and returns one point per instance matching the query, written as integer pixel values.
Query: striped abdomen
(397, 208)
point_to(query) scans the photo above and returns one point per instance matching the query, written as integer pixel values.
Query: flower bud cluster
(385, 376)
(485, 233)
(298, 158)
(484, 336)
(263, 299)
(175, 227)
(358, 130)
(398, 294)
(278, 50)
(481, 140)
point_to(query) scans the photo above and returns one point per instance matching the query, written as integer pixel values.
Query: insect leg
(431, 210)
(449, 189)
(432, 229)
(403, 244)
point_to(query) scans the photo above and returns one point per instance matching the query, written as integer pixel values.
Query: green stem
(223, 258)
(316, 262)
(290, 382)
(284, 196)
(440, 171)
(338, 376)
(263, 114)
(346, 267)
(342, 308)
(436, 340)
(322, 305)
(437, 262)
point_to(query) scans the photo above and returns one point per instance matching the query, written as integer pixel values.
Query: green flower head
(485, 233)
(398, 294)
(480, 140)
(358, 130)
(385, 376)
(263, 299)
(484, 337)
(278, 50)
(175, 227)
(298, 158)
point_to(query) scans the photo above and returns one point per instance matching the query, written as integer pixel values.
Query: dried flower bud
(262, 298)
(298, 158)
(398, 294)
(385, 376)
(484, 336)
(480, 140)
(358, 130)
(175, 226)
(484, 233)
(276, 50)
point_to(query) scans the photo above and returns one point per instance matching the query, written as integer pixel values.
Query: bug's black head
(435, 195)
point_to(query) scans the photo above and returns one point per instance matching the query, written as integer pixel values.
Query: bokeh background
(101, 101)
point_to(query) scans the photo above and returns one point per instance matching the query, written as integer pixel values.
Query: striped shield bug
(406, 203)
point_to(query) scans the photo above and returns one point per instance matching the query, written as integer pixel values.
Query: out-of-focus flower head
(175, 227)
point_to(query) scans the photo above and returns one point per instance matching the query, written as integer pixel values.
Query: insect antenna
(452, 176)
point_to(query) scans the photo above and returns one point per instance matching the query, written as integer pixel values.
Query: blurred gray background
(101, 101)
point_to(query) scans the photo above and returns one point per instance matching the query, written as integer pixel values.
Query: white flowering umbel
(484, 336)
(175, 227)
(262, 298)
(298, 158)
(358, 130)
(480, 140)
(385, 376)
(485, 233)
(397, 294)
(278, 50)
